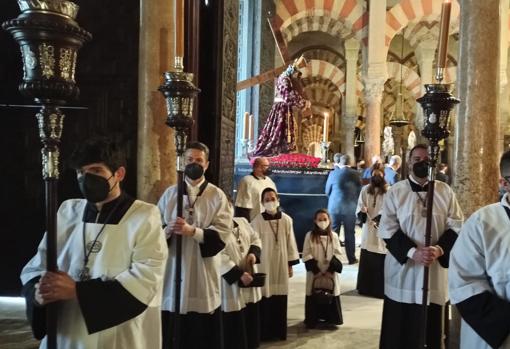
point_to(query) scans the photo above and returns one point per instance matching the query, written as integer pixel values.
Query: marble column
(375, 76)
(476, 172)
(373, 97)
(156, 150)
(351, 101)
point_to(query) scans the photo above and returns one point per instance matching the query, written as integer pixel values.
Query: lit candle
(179, 28)
(252, 127)
(443, 34)
(325, 128)
(246, 129)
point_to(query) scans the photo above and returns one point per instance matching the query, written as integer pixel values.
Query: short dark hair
(418, 146)
(267, 190)
(98, 149)
(199, 146)
(504, 163)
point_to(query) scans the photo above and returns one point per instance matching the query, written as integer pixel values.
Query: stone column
(476, 172)
(156, 150)
(351, 100)
(373, 97)
(375, 77)
(425, 52)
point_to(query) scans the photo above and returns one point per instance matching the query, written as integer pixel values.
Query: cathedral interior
(368, 61)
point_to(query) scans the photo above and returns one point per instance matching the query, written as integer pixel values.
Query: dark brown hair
(371, 186)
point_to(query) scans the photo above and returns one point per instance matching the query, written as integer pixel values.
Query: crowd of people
(116, 281)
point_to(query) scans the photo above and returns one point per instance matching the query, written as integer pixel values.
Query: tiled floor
(362, 318)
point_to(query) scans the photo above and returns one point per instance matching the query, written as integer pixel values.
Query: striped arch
(414, 10)
(349, 12)
(411, 80)
(324, 97)
(325, 70)
(317, 21)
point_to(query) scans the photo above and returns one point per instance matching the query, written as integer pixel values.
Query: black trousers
(197, 331)
(401, 325)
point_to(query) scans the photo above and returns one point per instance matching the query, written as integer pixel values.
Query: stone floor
(362, 318)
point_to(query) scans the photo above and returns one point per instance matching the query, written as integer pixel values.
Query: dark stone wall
(228, 99)
(107, 71)
(266, 62)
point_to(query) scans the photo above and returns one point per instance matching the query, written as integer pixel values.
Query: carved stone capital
(374, 90)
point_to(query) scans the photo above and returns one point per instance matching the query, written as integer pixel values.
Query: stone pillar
(375, 76)
(156, 150)
(475, 178)
(425, 52)
(351, 100)
(504, 104)
(373, 97)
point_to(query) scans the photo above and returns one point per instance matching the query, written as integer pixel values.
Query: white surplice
(479, 262)
(235, 298)
(249, 193)
(402, 209)
(200, 287)
(133, 253)
(315, 250)
(369, 239)
(276, 252)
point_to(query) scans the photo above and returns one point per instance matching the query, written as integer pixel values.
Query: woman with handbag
(321, 255)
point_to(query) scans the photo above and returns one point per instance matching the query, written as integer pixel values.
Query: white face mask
(323, 224)
(271, 206)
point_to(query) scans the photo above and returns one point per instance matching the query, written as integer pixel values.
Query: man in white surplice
(248, 204)
(111, 259)
(206, 225)
(402, 227)
(479, 279)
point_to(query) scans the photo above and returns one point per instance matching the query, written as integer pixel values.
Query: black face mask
(268, 172)
(193, 171)
(93, 187)
(421, 169)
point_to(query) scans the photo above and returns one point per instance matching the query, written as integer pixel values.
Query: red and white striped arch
(410, 79)
(414, 10)
(322, 13)
(325, 70)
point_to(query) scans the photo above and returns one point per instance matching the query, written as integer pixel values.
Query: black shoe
(354, 261)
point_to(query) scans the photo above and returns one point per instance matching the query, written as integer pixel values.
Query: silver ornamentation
(65, 63)
(47, 59)
(29, 59)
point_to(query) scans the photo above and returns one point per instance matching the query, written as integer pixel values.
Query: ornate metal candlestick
(49, 39)
(180, 94)
(324, 154)
(437, 104)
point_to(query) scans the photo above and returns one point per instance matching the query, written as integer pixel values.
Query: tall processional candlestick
(180, 94)
(437, 104)
(49, 39)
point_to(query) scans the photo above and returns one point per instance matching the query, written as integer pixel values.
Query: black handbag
(323, 288)
(259, 279)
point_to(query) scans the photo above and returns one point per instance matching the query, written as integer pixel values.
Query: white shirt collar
(194, 188)
(505, 200)
(413, 179)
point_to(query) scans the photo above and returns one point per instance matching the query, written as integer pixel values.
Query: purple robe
(277, 136)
